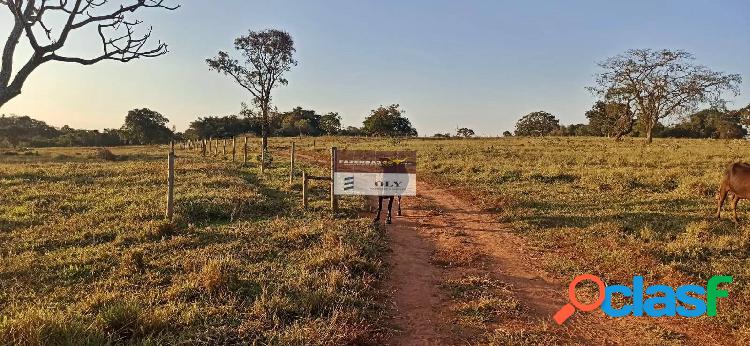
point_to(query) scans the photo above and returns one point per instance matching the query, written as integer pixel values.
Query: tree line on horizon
(145, 126)
(716, 123)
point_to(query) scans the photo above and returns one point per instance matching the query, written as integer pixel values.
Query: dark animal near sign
(737, 181)
(390, 205)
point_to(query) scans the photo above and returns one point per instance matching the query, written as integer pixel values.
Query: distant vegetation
(142, 126)
(145, 126)
(606, 120)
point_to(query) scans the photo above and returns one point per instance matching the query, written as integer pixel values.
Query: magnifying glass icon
(568, 309)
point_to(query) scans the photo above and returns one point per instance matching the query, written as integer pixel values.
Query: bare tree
(34, 19)
(268, 54)
(661, 84)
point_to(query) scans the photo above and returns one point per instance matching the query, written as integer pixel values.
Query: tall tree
(267, 55)
(388, 121)
(144, 126)
(661, 84)
(36, 20)
(537, 124)
(330, 123)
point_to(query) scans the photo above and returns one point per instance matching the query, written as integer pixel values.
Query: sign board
(375, 173)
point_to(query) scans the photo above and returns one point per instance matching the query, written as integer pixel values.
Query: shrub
(105, 154)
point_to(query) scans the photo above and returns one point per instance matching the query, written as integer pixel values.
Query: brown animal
(737, 181)
(369, 201)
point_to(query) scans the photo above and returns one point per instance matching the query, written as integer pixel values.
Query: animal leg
(399, 205)
(722, 195)
(734, 208)
(390, 205)
(380, 207)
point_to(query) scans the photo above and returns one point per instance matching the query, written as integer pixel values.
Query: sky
(449, 64)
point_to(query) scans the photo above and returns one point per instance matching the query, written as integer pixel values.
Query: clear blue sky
(477, 64)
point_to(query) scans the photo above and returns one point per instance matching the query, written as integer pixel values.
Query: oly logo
(388, 183)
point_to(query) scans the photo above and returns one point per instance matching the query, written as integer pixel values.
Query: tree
(222, 127)
(709, 123)
(572, 130)
(303, 126)
(388, 121)
(297, 122)
(609, 119)
(744, 114)
(144, 126)
(600, 123)
(352, 131)
(36, 20)
(537, 124)
(330, 123)
(17, 130)
(507, 134)
(267, 55)
(465, 132)
(624, 119)
(661, 84)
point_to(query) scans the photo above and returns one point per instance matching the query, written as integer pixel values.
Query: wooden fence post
(170, 181)
(262, 158)
(203, 147)
(244, 155)
(224, 148)
(234, 147)
(304, 189)
(334, 201)
(291, 168)
(210, 143)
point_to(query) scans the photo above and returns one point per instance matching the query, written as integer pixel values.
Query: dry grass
(86, 258)
(82, 243)
(615, 209)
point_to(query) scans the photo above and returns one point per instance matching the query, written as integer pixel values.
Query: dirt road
(459, 276)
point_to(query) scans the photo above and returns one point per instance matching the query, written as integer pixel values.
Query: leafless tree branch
(120, 39)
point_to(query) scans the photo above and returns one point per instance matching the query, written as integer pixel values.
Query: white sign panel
(375, 184)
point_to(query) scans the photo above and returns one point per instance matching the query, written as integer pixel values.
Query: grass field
(614, 209)
(86, 258)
